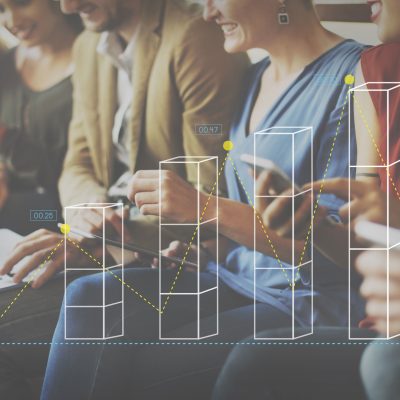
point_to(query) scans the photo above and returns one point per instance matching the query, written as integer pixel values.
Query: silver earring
(283, 16)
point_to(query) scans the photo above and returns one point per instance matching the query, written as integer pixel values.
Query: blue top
(317, 99)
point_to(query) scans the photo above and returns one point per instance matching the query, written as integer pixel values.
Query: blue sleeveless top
(317, 98)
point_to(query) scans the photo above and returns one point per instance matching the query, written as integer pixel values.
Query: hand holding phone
(280, 179)
(274, 200)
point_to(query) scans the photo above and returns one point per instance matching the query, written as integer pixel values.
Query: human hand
(90, 220)
(43, 249)
(178, 197)
(277, 212)
(182, 251)
(373, 266)
(367, 201)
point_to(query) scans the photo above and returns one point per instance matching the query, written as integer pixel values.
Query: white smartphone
(377, 235)
(281, 181)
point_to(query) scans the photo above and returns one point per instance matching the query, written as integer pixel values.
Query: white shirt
(110, 46)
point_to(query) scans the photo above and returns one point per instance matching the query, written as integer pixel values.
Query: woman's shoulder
(347, 50)
(391, 51)
(381, 63)
(339, 61)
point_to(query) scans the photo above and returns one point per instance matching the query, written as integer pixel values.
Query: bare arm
(178, 203)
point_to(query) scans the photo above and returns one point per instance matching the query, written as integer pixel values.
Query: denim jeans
(380, 371)
(323, 366)
(152, 369)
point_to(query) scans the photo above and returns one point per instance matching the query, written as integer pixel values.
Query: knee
(85, 290)
(374, 367)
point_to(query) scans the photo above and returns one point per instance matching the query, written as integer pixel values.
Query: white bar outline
(189, 294)
(160, 310)
(100, 306)
(102, 270)
(188, 224)
(352, 91)
(292, 268)
(279, 196)
(284, 338)
(86, 206)
(358, 88)
(349, 125)
(192, 160)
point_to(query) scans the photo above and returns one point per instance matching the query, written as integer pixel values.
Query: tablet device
(131, 247)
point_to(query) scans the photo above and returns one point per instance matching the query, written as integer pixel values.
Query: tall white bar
(171, 296)
(381, 143)
(97, 317)
(291, 272)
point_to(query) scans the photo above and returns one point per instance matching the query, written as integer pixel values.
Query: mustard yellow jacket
(182, 77)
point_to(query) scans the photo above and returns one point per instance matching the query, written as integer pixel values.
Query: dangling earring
(283, 16)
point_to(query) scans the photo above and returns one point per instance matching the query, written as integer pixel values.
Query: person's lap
(324, 365)
(177, 364)
(193, 368)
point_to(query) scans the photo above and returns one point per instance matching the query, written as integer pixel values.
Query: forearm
(236, 222)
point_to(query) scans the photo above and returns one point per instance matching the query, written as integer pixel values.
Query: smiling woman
(255, 28)
(35, 107)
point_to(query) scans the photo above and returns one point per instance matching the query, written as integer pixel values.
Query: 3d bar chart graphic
(171, 297)
(380, 144)
(300, 264)
(107, 305)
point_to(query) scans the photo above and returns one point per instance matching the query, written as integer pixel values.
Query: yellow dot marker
(349, 79)
(65, 229)
(228, 145)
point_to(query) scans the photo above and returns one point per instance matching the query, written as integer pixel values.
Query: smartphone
(281, 181)
(376, 235)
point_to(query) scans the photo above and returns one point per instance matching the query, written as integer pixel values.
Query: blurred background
(349, 18)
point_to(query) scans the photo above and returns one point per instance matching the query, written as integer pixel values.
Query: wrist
(208, 208)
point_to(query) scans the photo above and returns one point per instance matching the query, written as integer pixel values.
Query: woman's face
(243, 22)
(33, 22)
(386, 14)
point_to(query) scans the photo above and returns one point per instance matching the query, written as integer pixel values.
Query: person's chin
(232, 46)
